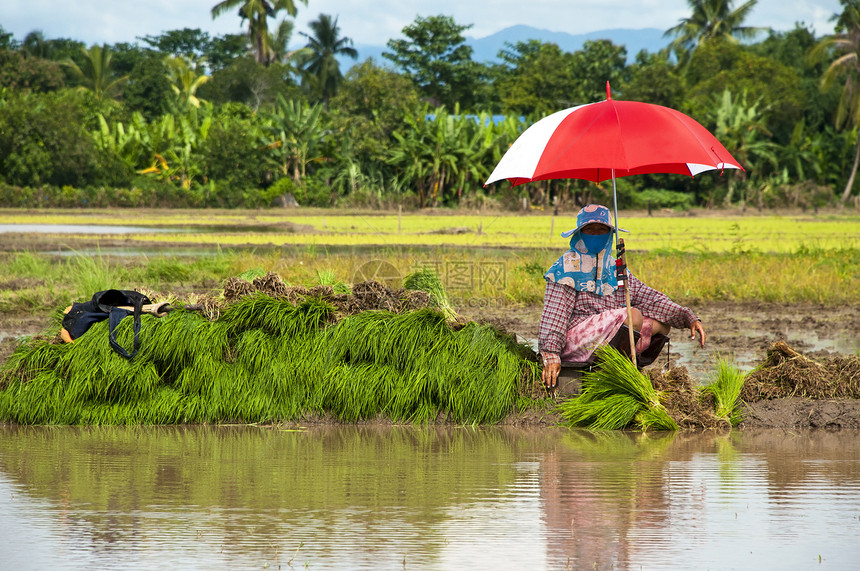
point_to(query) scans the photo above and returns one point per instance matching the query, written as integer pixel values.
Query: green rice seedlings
(94, 372)
(174, 341)
(612, 412)
(250, 274)
(327, 278)
(257, 311)
(405, 394)
(427, 280)
(600, 406)
(195, 379)
(165, 407)
(266, 360)
(655, 418)
(617, 374)
(488, 376)
(350, 391)
(726, 390)
(383, 337)
(255, 349)
(26, 402)
(32, 357)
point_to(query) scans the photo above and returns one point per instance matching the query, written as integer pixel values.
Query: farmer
(584, 307)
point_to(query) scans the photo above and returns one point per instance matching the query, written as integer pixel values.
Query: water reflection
(82, 229)
(440, 498)
(596, 487)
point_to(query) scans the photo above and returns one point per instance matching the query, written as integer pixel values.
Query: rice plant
(251, 273)
(726, 390)
(327, 278)
(616, 395)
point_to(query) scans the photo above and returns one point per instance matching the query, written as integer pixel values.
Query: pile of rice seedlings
(616, 395)
(270, 359)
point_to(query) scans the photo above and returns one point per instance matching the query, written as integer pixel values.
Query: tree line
(185, 119)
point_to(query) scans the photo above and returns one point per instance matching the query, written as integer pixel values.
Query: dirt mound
(787, 373)
(688, 407)
(365, 296)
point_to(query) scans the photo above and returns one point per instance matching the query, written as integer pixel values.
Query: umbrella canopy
(610, 139)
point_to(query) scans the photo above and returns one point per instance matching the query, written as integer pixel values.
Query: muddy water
(452, 498)
(79, 229)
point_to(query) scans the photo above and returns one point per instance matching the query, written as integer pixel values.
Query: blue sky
(376, 21)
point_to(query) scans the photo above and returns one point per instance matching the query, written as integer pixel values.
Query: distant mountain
(487, 49)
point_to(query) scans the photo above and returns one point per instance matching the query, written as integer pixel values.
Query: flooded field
(432, 498)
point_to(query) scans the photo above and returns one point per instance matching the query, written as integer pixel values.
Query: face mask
(594, 243)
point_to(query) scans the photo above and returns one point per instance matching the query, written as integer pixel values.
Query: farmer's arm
(658, 306)
(557, 304)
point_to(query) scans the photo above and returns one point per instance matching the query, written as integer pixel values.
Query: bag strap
(117, 315)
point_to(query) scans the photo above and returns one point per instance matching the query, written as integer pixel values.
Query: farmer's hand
(550, 374)
(697, 328)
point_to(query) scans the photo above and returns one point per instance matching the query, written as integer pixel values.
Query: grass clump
(616, 395)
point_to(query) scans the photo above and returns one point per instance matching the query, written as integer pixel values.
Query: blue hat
(590, 214)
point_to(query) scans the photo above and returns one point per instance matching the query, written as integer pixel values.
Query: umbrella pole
(619, 249)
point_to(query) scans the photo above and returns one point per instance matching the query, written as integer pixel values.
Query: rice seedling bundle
(268, 359)
(616, 395)
(726, 391)
(427, 280)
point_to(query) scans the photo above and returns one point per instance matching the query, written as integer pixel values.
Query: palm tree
(96, 73)
(325, 45)
(712, 19)
(845, 46)
(35, 44)
(257, 12)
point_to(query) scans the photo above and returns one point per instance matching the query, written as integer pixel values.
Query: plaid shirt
(564, 308)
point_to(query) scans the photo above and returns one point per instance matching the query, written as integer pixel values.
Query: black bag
(107, 305)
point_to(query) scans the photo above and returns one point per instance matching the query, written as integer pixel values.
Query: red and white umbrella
(609, 139)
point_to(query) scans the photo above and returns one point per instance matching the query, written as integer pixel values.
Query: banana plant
(122, 142)
(479, 148)
(185, 80)
(799, 155)
(739, 126)
(443, 155)
(409, 160)
(295, 135)
(171, 145)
